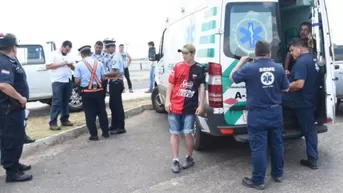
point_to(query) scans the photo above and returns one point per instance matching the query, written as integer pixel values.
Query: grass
(38, 128)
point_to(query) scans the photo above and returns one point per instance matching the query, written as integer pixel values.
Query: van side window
(246, 23)
(338, 49)
(31, 54)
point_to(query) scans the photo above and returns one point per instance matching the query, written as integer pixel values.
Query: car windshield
(246, 23)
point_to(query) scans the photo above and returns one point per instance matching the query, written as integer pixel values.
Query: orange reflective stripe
(93, 75)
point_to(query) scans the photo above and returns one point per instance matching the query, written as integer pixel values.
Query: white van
(225, 30)
(34, 56)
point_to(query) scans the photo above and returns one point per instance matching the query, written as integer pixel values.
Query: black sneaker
(248, 183)
(54, 128)
(93, 138)
(189, 162)
(67, 124)
(176, 168)
(311, 163)
(131, 91)
(23, 167)
(28, 139)
(117, 131)
(18, 177)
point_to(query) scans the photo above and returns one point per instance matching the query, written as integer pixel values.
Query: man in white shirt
(60, 67)
(127, 61)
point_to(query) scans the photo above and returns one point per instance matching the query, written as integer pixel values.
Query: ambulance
(225, 30)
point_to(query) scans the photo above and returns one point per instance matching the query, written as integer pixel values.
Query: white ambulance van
(225, 30)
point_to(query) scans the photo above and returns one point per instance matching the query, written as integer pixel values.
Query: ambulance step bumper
(287, 134)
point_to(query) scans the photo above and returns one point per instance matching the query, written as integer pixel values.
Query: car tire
(75, 102)
(202, 141)
(156, 100)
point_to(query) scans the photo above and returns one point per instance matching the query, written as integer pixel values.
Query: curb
(47, 142)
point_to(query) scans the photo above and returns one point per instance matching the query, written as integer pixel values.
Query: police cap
(84, 48)
(109, 43)
(8, 40)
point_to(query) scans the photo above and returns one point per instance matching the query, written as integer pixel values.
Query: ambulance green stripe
(211, 12)
(208, 39)
(206, 53)
(208, 26)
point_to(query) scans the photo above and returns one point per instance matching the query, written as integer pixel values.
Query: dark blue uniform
(264, 81)
(12, 115)
(304, 101)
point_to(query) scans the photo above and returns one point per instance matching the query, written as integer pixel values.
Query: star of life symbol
(248, 32)
(267, 78)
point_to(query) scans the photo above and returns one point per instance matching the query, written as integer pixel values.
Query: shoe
(131, 91)
(124, 91)
(106, 135)
(188, 163)
(67, 124)
(28, 139)
(176, 168)
(117, 131)
(18, 177)
(148, 91)
(55, 128)
(311, 163)
(23, 167)
(248, 183)
(94, 138)
(278, 179)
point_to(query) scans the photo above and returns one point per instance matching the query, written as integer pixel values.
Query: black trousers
(127, 76)
(93, 106)
(116, 105)
(104, 86)
(12, 134)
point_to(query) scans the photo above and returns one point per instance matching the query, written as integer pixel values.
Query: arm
(239, 75)
(288, 60)
(130, 59)
(77, 74)
(284, 83)
(6, 82)
(71, 65)
(171, 80)
(54, 65)
(300, 75)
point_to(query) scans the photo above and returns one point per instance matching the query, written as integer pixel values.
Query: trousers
(265, 130)
(116, 105)
(12, 135)
(94, 106)
(61, 93)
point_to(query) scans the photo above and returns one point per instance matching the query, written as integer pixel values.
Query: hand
(245, 59)
(23, 101)
(64, 63)
(167, 107)
(287, 72)
(199, 110)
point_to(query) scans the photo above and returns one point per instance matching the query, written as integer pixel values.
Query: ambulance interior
(292, 14)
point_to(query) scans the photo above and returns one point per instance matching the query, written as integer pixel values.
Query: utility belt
(94, 88)
(11, 105)
(115, 79)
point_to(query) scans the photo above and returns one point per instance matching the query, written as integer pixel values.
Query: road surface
(139, 161)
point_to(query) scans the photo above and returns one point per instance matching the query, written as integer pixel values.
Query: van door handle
(42, 70)
(336, 67)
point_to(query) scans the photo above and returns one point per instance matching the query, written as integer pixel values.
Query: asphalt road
(139, 161)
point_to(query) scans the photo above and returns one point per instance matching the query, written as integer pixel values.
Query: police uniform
(264, 81)
(12, 115)
(104, 59)
(90, 71)
(116, 88)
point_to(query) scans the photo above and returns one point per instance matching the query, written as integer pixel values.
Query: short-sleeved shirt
(101, 58)
(186, 80)
(13, 73)
(125, 57)
(82, 72)
(312, 49)
(305, 69)
(117, 64)
(264, 81)
(62, 74)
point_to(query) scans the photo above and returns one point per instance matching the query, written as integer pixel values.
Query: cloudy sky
(128, 21)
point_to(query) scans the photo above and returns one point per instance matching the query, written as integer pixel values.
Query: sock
(176, 159)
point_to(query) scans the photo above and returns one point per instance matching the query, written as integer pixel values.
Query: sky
(131, 22)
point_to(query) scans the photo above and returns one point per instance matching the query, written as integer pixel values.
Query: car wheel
(75, 102)
(156, 99)
(202, 141)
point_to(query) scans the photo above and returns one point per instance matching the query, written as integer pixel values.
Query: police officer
(101, 57)
(264, 82)
(302, 97)
(13, 93)
(88, 74)
(116, 88)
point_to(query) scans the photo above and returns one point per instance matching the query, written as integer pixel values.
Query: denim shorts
(179, 124)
